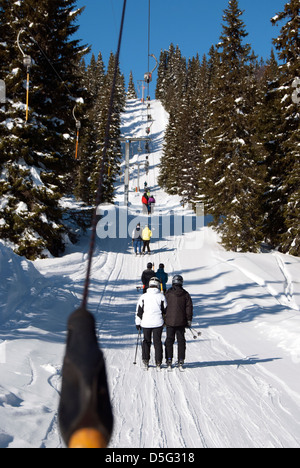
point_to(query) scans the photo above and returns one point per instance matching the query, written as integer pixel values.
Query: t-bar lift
(128, 142)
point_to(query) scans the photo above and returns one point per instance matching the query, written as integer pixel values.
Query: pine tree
(131, 92)
(93, 79)
(268, 118)
(171, 87)
(233, 179)
(114, 153)
(288, 47)
(161, 76)
(171, 82)
(35, 157)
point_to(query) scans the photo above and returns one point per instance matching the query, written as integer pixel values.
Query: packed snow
(241, 386)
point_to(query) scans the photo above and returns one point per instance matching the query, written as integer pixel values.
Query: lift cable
(85, 413)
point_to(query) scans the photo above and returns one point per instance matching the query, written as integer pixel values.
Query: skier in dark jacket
(147, 275)
(179, 315)
(162, 276)
(137, 239)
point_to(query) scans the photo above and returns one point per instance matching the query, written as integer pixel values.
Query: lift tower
(128, 142)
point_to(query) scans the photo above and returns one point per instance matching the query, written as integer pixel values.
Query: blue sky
(193, 25)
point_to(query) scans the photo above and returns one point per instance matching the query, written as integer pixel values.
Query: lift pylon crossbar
(127, 142)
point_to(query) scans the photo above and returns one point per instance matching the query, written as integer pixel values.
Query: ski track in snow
(241, 385)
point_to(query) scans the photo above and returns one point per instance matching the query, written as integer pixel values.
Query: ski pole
(195, 333)
(137, 345)
(194, 336)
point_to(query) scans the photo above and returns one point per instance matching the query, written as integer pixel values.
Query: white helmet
(154, 283)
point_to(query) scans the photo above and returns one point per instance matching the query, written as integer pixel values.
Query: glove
(189, 324)
(138, 327)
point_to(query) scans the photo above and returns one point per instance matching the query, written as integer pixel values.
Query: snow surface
(241, 387)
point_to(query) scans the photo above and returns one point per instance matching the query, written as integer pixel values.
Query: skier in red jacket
(145, 203)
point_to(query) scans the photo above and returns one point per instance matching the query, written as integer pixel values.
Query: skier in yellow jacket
(146, 236)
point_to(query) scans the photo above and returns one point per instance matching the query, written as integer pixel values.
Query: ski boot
(169, 364)
(145, 365)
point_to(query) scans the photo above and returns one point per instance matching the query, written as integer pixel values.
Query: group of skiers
(159, 307)
(148, 202)
(141, 239)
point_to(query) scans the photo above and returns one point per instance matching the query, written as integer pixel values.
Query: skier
(146, 276)
(145, 202)
(137, 239)
(162, 276)
(151, 202)
(146, 236)
(149, 317)
(179, 315)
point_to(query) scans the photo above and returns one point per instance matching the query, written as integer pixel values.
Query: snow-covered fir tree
(114, 153)
(131, 91)
(170, 89)
(36, 156)
(268, 118)
(288, 47)
(233, 183)
(171, 78)
(93, 79)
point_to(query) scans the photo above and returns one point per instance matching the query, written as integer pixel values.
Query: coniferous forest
(232, 141)
(40, 164)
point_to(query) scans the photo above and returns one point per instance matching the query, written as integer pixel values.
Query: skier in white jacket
(149, 317)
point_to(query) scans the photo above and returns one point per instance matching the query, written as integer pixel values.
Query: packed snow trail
(241, 385)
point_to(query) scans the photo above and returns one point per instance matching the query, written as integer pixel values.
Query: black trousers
(146, 243)
(158, 349)
(172, 333)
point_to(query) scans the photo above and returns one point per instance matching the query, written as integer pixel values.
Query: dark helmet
(154, 283)
(177, 280)
(161, 266)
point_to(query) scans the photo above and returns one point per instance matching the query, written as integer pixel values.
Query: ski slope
(241, 386)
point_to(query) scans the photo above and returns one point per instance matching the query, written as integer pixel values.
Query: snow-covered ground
(241, 387)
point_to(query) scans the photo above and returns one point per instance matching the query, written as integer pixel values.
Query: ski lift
(27, 62)
(148, 75)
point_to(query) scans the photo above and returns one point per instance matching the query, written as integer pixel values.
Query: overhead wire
(104, 161)
(85, 413)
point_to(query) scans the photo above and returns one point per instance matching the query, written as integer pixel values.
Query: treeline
(232, 141)
(37, 157)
